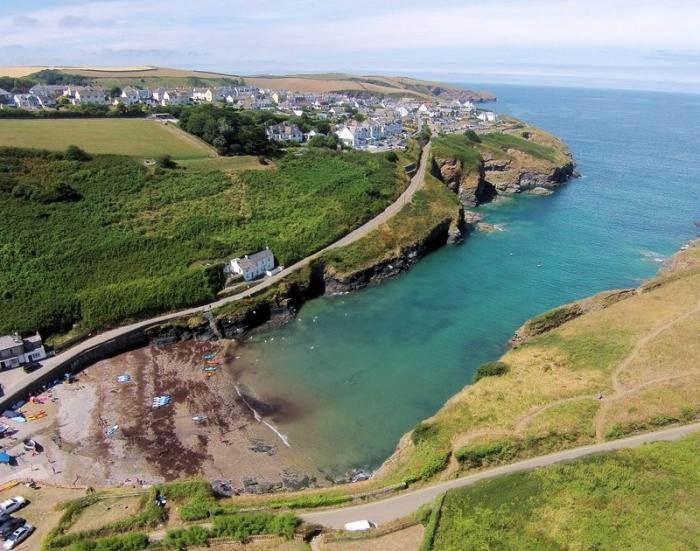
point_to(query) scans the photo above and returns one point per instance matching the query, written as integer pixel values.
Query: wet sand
(240, 440)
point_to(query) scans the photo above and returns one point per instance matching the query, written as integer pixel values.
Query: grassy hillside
(135, 138)
(101, 241)
(152, 77)
(646, 498)
(619, 368)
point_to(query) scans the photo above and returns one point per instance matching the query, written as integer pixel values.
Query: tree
(74, 153)
(472, 136)
(115, 92)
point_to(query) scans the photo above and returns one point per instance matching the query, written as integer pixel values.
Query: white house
(84, 95)
(284, 132)
(14, 350)
(254, 265)
(487, 116)
(175, 97)
(347, 136)
(27, 101)
(129, 96)
(402, 112)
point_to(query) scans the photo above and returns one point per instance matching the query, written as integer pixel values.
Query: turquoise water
(362, 369)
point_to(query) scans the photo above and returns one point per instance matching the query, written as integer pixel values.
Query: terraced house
(15, 351)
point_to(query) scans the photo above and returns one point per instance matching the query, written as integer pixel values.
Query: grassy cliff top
(616, 366)
(525, 147)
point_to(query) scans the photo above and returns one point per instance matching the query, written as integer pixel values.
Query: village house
(487, 116)
(175, 97)
(27, 101)
(254, 265)
(347, 136)
(86, 95)
(285, 132)
(6, 98)
(129, 96)
(15, 351)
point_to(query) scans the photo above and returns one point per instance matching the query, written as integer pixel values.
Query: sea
(365, 367)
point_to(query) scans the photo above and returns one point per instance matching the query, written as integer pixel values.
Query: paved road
(404, 504)
(18, 384)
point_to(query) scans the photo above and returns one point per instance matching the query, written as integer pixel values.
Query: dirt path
(618, 391)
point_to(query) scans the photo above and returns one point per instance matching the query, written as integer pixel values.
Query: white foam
(259, 418)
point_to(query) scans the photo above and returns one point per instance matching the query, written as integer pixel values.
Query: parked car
(8, 527)
(18, 536)
(29, 368)
(13, 504)
(359, 525)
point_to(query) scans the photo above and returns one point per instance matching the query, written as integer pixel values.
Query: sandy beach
(99, 431)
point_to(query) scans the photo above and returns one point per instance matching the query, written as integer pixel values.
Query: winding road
(19, 385)
(404, 504)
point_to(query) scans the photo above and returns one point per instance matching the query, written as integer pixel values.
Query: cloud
(78, 22)
(25, 22)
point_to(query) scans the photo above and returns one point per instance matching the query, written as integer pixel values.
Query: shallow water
(368, 366)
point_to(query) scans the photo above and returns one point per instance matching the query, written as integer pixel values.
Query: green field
(101, 241)
(646, 498)
(132, 137)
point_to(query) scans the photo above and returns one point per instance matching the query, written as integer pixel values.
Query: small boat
(111, 430)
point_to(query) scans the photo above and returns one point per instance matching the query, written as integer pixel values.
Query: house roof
(9, 341)
(260, 256)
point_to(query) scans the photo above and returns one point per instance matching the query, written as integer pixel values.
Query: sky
(616, 43)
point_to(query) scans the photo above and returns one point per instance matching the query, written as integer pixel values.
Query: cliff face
(513, 158)
(471, 186)
(508, 177)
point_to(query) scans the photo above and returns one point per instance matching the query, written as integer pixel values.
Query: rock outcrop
(470, 186)
(560, 315)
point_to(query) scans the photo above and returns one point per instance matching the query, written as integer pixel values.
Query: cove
(368, 366)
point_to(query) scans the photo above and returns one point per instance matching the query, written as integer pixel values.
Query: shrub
(183, 538)
(74, 153)
(392, 156)
(474, 456)
(422, 432)
(166, 161)
(241, 527)
(200, 508)
(491, 369)
(128, 542)
(472, 136)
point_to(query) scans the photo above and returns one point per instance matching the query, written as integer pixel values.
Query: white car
(359, 525)
(18, 536)
(13, 504)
